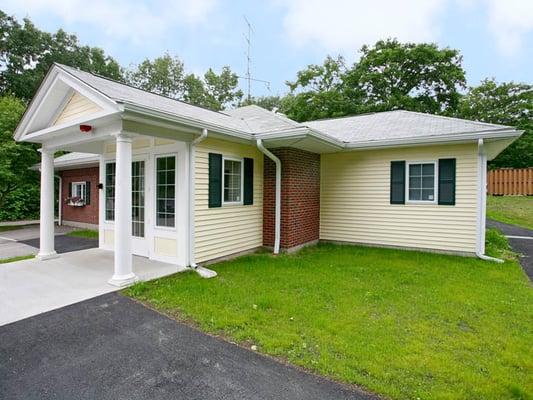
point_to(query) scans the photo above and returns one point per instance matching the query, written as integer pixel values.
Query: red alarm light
(86, 128)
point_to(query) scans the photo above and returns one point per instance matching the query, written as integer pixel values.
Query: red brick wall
(300, 197)
(88, 213)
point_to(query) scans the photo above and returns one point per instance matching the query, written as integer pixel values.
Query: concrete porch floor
(31, 287)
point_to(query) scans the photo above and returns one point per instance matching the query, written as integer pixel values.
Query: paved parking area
(112, 347)
(25, 241)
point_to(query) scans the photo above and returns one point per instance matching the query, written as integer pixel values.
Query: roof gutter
(277, 218)
(482, 203)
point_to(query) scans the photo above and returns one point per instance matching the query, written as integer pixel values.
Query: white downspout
(482, 203)
(277, 161)
(192, 152)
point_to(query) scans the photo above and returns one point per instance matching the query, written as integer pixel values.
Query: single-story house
(178, 183)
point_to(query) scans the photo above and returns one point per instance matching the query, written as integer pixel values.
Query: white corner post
(46, 246)
(123, 274)
(192, 168)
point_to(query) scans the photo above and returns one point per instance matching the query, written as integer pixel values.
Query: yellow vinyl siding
(77, 106)
(231, 228)
(355, 201)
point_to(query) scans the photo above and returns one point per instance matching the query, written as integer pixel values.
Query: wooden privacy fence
(510, 181)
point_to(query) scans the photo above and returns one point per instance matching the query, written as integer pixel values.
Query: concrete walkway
(521, 240)
(32, 287)
(112, 347)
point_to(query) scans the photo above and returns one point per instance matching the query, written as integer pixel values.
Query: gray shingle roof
(397, 125)
(260, 120)
(127, 94)
(253, 120)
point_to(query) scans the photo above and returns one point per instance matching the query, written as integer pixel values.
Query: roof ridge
(456, 119)
(351, 116)
(481, 123)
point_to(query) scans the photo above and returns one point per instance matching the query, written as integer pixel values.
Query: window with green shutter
(248, 195)
(215, 180)
(397, 182)
(447, 181)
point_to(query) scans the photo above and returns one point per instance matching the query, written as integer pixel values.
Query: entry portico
(68, 114)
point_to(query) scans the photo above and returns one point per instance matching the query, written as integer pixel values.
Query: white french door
(139, 227)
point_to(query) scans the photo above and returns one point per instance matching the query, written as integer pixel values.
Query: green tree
(410, 76)
(27, 53)
(389, 75)
(221, 90)
(15, 160)
(507, 103)
(317, 92)
(165, 75)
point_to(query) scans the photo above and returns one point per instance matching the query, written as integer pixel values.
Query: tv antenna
(248, 75)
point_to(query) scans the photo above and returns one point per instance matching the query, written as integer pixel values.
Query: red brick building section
(300, 197)
(89, 213)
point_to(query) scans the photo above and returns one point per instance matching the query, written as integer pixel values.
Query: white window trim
(156, 226)
(84, 191)
(233, 203)
(108, 221)
(435, 182)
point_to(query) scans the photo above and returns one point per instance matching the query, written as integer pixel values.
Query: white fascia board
(428, 140)
(188, 121)
(35, 102)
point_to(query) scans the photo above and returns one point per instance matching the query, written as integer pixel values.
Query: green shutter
(215, 180)
(397, 182)
(447, 181)
(87, 193)
(70, 189)
(248, 196)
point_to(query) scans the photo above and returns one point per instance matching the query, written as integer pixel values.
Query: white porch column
(123, 274)
(46, 248)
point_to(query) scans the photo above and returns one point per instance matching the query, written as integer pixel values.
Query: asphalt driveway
(521, 240)
(111, 347)
(25, 241)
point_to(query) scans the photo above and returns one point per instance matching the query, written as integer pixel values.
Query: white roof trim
(58, 83)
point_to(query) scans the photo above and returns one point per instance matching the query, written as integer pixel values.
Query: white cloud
(345, 25)
(510, 21)
(134, 21)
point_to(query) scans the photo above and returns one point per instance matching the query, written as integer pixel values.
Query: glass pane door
(137, 193)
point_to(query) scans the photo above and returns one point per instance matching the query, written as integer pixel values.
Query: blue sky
(495, 37)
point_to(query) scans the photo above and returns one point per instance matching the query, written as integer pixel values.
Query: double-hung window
(166, 191)
(79, 190)
(232, 181)
(422, 178)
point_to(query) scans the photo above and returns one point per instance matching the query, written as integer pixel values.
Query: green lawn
(517, 210)
(403, 324)
(88, 234)
(13, 259)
